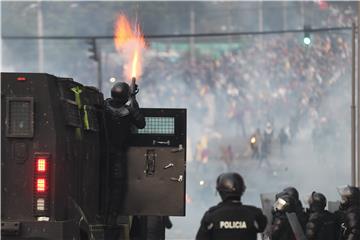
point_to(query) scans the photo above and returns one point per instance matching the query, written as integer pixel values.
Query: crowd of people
(271, 78)
(302, 91)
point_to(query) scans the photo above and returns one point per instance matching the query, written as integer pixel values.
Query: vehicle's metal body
(62, 121)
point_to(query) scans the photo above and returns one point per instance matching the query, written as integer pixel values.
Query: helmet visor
(344, 192)
(280, 204)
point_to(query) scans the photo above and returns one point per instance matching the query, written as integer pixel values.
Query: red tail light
(41, 185)
(41, 165)
(41, 202)
(21, 79)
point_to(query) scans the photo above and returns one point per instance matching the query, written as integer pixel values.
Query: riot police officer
(120, 118)
(299, 210)
(280, 227)
(230, 219)
(348, 215)
(321, 224)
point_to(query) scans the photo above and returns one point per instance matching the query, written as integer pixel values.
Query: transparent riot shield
(296, 226)
(267, 203)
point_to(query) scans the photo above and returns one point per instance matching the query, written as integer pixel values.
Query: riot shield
(267, 203)
(156, 161)
(296, 226)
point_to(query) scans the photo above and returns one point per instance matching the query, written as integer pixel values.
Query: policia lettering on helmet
(348, 215)
(321, 223)
(120, 118)
(230, 219)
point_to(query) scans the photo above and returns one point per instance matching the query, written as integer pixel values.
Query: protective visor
(344, 192)
(280, 204)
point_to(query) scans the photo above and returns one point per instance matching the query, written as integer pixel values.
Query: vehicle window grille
(158, 125)
(20, 117)
(72, 114)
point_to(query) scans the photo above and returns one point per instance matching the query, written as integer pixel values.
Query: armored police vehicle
(55, 164)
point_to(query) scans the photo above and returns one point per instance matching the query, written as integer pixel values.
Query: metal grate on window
(72, 114)
(20, 117)
(158, 125)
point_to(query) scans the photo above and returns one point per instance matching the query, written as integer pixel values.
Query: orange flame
(123, 32)
(130, 44)
(134, 64)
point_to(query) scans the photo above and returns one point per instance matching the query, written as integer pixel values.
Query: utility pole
(358, 117)
(40, 33)
(260, 16)
(99, 72)
(284, 14)
(192, 31)
(261, 20)
(229, 20)
(353, 109)
(302, 12)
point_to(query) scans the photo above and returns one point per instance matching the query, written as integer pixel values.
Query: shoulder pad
(252, 208)
(314, 216)
(212, 209)
(121, 111)
(107, 101)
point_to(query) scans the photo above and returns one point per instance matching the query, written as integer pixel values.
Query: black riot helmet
(350, 196)
(120, 92)
(317, 202)
(230, 185)
(292, 192)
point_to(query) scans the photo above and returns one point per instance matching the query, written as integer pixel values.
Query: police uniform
(230, 219)
(349, 223)
(280, 227)
(321, 224)
(348, 215)
(119, 120)
(299, 210)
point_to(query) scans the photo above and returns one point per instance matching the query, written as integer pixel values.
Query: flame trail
(130, 44)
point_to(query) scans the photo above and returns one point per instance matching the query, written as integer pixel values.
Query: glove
(134, 90)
